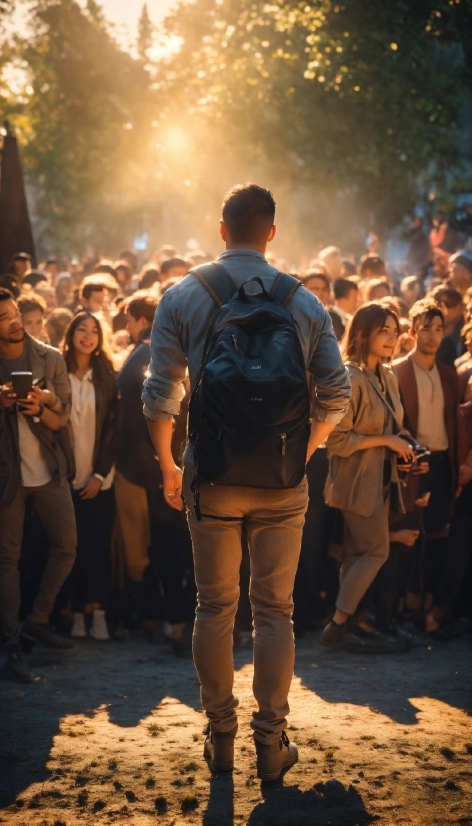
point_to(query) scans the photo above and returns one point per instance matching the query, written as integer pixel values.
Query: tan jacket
(355, 478)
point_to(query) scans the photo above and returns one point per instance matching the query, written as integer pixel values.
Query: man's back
(184, 316)
(271, 519)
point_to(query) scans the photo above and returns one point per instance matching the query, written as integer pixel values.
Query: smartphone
(22, 384)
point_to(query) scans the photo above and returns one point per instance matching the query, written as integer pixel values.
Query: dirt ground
(112, 734)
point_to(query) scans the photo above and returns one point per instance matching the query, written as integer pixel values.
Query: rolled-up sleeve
(164, 389)
(330, 378)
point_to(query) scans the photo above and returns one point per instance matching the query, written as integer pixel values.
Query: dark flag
(15, 226)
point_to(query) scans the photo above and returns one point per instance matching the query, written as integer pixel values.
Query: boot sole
(270, 777)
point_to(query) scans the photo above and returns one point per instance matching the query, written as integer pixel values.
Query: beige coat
(355, 478)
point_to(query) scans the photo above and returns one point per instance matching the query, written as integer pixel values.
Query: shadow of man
(323, 805)
(220, 809)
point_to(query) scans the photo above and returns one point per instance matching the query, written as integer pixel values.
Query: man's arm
(331, 383)
(165, 388)
(161, 435)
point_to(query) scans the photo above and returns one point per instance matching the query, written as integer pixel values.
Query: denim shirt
(181, 323)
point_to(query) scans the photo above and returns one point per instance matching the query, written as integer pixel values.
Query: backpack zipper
(283, 437)
(235, 342)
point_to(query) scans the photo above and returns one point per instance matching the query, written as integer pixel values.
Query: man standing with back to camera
(272, 516)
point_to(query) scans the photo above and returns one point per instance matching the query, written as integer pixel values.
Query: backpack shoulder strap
(216, 280)
(284, 287)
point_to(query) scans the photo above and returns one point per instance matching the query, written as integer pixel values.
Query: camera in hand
(420, 452)
(22, 384)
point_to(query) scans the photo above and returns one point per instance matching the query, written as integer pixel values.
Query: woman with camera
(363, 478)
(92, 422)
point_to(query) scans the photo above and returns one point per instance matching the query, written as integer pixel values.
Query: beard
(9, 339)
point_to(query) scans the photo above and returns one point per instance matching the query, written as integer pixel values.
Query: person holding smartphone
(92, 422)
(32, 465)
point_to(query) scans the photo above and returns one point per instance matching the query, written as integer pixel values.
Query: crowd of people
(113, 559)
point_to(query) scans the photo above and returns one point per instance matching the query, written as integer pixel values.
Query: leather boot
(219, 750)
(275, 758)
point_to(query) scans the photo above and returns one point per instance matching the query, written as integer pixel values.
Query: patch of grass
(191, 767)
(112, 765)
(329, 756)
(367, 737)
(196, 738)
(82, 798)
(154, 729)
(150, 783)
(160, 804)
(188, 802)
(180, 723)
(449, 754)
(93, 764)
(468, 748)
(130, 796)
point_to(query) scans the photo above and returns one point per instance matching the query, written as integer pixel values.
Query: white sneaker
(78, 627)
(99, 629)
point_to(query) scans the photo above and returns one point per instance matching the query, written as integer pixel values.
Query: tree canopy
(348, 108)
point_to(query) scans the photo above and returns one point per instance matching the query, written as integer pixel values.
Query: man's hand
(7, 396)
(91, 488)
(161, 435)
(172, 487)
(47, 398)
(465, 474)
(407, 537)
(30, 405)
(420, 469)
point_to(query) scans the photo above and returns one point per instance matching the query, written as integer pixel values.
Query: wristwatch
(40, 411)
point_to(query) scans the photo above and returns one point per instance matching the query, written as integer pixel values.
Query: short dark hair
(427, 307)
(149, 276)
(365, 321)
(87, 289)
(248, 211)
(374, 263)
(143, 306)
(9, 282)
(447, 295)
(311, 274)
(349, 267)
(173, 262)
(34, 278)
(342, 288)
(462, 259)
(31, 302)
(6, 295)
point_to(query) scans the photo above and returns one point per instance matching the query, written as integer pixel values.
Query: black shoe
(15, 665)
(45, 635)
(333, 635)
(359, 641)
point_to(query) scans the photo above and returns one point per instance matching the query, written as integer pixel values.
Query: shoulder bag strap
(284, 287)
(216, 280)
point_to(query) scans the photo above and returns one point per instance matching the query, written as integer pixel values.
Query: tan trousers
(366, 546)
(273, 521)
(132, 516)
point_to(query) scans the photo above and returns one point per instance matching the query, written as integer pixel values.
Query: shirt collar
(244, 252)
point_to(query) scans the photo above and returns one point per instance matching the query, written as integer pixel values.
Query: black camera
(420, 452)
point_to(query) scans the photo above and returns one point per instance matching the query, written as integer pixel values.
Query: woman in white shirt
(92, 422)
